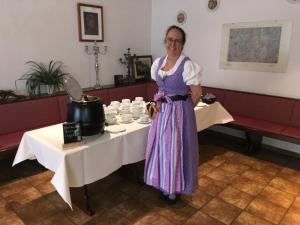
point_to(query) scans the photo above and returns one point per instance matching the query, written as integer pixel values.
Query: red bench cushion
(261, 107)
(292, 132)
(117, 94)
(258, 124)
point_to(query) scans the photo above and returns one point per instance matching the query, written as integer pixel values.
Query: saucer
(142, 122)
(125, 122)
(115, 129)
(201, 104)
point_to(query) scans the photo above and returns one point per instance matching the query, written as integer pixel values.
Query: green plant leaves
(40, 74)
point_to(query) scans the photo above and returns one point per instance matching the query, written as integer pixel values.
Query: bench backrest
(263, 107)
(117, 94)
(28, 115)
(295, 119)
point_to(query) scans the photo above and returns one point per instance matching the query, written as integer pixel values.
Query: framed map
(259, 46)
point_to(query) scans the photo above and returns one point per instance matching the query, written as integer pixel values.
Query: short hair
(179, 29)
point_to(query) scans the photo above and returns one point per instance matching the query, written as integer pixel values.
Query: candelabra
(96, 51)
(128, 62)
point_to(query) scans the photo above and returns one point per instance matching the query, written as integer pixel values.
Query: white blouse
(192, 72)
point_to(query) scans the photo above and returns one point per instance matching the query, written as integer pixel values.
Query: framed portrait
(141, 67)
(257, 46)
(90, 22)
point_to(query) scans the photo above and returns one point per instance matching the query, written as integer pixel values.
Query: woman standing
(172, 149)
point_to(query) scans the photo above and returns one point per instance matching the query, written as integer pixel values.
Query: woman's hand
(196, 93)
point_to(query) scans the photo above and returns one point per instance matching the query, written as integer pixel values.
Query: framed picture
(141, 67)
(90, 22)
(258, 46)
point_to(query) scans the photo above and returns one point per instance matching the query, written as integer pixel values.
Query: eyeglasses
(175, 41)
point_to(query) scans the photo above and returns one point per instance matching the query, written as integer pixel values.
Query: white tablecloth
(101, 154)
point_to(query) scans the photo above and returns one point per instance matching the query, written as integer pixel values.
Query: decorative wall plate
(213, 5)
(181, 17)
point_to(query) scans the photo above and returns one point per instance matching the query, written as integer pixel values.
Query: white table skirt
(101, 154)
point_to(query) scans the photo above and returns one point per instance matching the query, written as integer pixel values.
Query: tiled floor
(233, 189)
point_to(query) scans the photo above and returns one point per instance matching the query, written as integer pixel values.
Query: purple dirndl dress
(172, 153)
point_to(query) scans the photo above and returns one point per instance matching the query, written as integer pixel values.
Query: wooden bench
(261, 115)
(18, 117)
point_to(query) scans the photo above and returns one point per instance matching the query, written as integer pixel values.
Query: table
(101, 154)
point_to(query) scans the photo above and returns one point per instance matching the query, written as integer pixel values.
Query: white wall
(43, 30)
(204, 31)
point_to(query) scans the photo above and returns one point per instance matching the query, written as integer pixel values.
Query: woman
(172, 148)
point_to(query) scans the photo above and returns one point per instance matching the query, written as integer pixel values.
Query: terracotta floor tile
(295, 206)
(177, 213)
(45, 188)
(235, 197)
(153, 219)
(267, 167)
(277, 197)
(248, 186)
(109, 217)
(217, 161)
(130, 188)
(57, 219)
(243, 159)
(40, 178)
(132, 209)
(77, 216)
(150, 197)
(291, 218)
(23, 197)
(290, 174)
(205, 169)
(285, 185)
(198, 199)
(109, 200)
(209, 186)
(221, 210)
(266, 210)
(10, 219)
(13, 188)
(57, 201)
(235, 168)
(200, 218)
(258, 176)
(248, 219)
(36, 211)
(222, 176)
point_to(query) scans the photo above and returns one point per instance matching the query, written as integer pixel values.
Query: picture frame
(141, 67)
(90, 22)
(256, 46)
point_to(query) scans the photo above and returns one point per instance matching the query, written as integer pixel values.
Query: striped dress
(172, 149)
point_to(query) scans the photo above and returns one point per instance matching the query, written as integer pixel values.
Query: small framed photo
(141, 67)
(90, 22)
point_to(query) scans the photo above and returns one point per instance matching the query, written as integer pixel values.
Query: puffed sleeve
(154, 68)
(192, 73)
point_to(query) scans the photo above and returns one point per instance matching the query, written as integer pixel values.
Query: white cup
(126, 100)
(115, 104)
(144, 118)
(125, 118)
(139, 99)
(111, 120)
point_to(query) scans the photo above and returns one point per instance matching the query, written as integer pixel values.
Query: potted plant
(41, 76)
